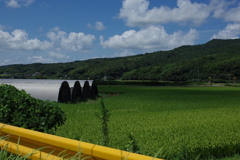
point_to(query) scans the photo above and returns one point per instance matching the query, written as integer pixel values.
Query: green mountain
(217, 60)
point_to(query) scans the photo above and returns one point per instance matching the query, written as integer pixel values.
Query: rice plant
(186, 122)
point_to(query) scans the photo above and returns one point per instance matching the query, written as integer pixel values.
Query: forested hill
(217, 59)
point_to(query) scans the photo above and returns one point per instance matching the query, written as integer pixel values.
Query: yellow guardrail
(42, 146)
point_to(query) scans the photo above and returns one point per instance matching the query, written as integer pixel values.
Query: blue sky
(51, 31)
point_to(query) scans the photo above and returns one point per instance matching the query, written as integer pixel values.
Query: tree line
(217, 60)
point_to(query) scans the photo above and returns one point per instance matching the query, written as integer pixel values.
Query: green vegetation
(181, 122)
(215, 61)
(5, 155)
(20, 109)
(104, 118)
(132, 145)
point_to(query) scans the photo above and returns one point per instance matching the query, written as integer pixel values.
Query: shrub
(20, 109)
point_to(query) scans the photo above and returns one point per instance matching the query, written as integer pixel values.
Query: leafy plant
(104, 118)
(132, 145)
(20, 109)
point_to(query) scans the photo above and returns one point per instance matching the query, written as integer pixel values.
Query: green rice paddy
(176, 122)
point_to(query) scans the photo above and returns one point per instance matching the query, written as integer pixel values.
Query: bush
(20, 109)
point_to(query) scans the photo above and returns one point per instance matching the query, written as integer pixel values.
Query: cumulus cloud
(72, 41)
(219, 7)
(137, 13)
(18, 40)
(77, 42)
(18, 3)
(151, 38)
(233, 15)
(232, 31)
(57, 40)
(222, 9)
(98, 26)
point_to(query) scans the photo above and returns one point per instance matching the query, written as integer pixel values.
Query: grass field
(177, 122)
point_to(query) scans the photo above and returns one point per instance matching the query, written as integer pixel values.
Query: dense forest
(217, 60)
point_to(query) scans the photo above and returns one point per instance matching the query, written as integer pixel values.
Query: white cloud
(219, 7)
(98, 26)
(18, 40)
(40, 29)
(151, 38)
(5, 61)
(232, 31)
(58, 55)
(77, 42)
(17, 43)
(233, 15)
(124, 53)
(55, 35)
(18, 3)
(2, 27)
(12, 3)
(137, 13)
(222, 9)
(72, 41)
(38, 59)
(51, 57)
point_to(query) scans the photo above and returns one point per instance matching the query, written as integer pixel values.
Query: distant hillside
(217, 60)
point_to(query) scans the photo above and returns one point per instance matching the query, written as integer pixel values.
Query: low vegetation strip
(49, 147)
(181, 122)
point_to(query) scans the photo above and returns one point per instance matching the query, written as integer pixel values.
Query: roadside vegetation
(20, 109)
